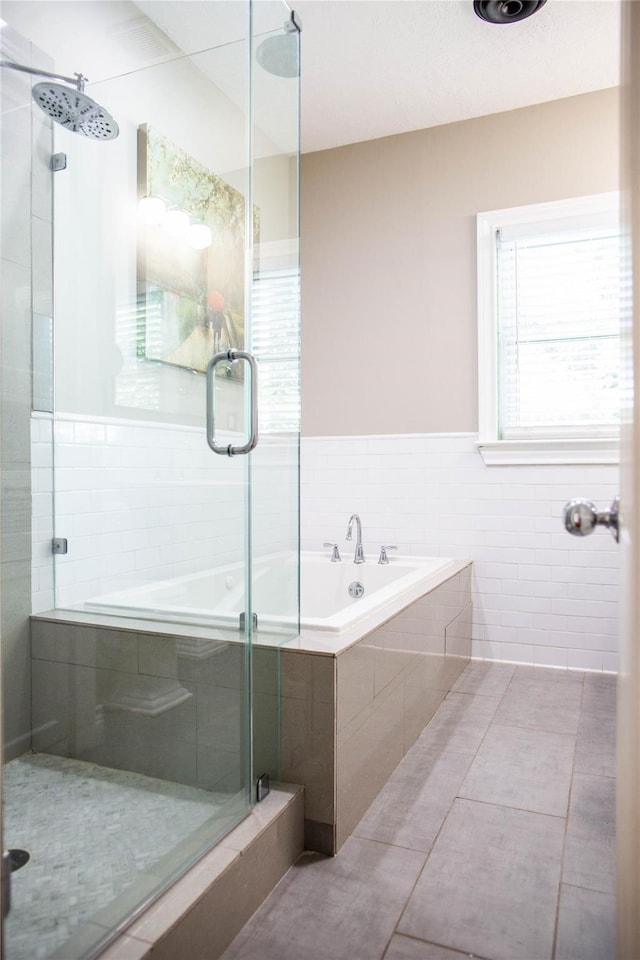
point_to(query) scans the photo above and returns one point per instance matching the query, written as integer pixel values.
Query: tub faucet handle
(335, 553)
(383, 553)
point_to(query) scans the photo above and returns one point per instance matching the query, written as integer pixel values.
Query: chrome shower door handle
(229, 450)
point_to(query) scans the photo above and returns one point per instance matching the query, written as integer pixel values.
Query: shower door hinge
(59, 545)
(243, 621)
(58, 162)
(262, 787)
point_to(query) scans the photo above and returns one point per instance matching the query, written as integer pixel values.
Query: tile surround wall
(155, 704)
(162, 705)
(26, 302)
(141, 501)
(539, 595)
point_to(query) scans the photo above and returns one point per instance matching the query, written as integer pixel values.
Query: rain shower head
(280, 54)
(69, 107)
(75, 111)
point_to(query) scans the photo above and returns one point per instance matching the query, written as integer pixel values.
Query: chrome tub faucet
(359, 554)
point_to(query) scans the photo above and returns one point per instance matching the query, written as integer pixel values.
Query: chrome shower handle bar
(230, 450)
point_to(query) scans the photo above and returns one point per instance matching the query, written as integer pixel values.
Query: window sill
(497, 453)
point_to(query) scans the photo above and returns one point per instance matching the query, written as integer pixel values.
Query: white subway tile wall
(141, 502)
(540, 596)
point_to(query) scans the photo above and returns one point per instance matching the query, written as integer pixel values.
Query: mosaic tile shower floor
(90, 831)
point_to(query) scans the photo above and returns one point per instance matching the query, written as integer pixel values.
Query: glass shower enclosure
(150, 447)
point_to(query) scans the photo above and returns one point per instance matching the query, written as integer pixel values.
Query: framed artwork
(191, 258)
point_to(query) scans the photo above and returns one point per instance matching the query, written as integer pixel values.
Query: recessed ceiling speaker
(506, 11)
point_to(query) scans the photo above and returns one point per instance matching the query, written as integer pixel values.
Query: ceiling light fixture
(506, 11)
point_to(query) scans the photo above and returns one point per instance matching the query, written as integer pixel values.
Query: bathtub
(325, 602)
(216, 596)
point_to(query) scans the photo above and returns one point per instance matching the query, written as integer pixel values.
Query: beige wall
(388, 256)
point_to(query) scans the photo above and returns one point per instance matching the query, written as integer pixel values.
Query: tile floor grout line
(517, 726)
(580, 886)
(389, 843)
(566, 830)
(509, 806)
(489, 725)
(552, 913)
(443, 946)
(597, 776)
(445, 818)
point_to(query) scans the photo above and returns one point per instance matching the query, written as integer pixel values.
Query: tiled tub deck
(351, 710)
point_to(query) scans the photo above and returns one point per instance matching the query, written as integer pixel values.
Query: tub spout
(359, 554)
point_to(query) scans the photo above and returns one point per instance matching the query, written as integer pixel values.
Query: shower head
(280, 54)
(75, 111)
(69, 107)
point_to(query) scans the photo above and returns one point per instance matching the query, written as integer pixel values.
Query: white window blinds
(276, 346)
(558, 318)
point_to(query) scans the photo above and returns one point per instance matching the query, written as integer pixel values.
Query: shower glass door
(275, 342)
(154, 687)
(152, 233)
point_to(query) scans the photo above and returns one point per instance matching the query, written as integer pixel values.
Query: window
(276, 345)
(549, 291)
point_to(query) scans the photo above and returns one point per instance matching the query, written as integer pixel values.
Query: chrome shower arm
(67, 104)
(77, 80)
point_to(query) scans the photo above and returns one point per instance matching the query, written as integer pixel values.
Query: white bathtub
(216, 596)
(325, 603)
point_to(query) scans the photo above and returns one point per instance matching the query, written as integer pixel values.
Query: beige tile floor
(494, 838)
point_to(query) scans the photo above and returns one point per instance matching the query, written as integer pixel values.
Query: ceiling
(370, 68)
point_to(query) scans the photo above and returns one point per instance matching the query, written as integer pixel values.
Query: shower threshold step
(92, 831)
(206, 908)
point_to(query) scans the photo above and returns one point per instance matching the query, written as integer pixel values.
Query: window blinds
(276, 347)
(558, 308)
